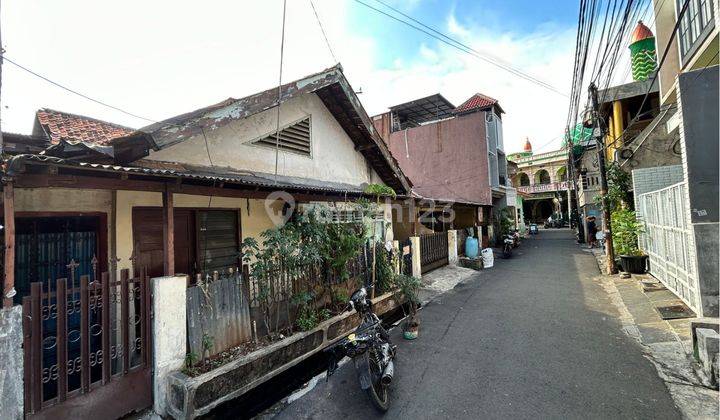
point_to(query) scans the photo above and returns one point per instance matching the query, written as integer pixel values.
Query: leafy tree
(619, 185)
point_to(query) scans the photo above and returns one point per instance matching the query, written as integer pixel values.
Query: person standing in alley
(592, 230)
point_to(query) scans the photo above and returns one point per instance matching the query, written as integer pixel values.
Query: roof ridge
(477, 101)
(485, 96)
(199, 112)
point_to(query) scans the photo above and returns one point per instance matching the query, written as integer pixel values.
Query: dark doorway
(45, 247)
(543, 210)
(51, 246)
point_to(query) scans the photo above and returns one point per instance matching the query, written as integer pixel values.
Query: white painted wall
(334, 157)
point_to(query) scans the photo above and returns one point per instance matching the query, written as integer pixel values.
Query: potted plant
(626, 228)
(408, 287)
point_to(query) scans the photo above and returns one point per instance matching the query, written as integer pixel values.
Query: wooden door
(148, 238)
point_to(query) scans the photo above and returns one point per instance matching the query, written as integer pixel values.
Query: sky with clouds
(158, 58)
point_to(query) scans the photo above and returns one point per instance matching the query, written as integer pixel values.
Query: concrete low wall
(416, 261)
(170, 334)
(452, 247)
(11, 354)
(189, 397)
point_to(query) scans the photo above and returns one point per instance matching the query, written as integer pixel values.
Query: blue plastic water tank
(471, 247)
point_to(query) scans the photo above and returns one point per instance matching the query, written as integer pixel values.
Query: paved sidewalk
(443, 279)
(667, 343)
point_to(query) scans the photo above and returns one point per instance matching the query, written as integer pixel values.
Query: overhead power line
(279, 91)
(75, 92)
(452, 42)
(327, 42)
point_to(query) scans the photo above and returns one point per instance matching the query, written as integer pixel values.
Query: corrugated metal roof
(419, 111)
(203, 173)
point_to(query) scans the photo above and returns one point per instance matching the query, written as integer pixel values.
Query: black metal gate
(87, 346)
(433, 251)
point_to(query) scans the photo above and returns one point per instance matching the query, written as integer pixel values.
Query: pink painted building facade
(451, 154)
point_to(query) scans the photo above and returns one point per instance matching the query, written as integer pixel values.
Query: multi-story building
(542, 178)
(630, 110)
(454, 156)
(682, 217)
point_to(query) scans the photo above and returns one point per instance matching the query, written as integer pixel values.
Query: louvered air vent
(294, 138)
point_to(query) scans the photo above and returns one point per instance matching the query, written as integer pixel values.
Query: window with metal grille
(293, 138)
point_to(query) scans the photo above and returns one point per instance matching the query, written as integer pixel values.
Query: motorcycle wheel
(377, 392)
(507, 252)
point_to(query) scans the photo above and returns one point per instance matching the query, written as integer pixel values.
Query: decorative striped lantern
(642, 52)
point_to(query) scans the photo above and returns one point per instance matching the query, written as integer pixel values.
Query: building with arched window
(542, 179)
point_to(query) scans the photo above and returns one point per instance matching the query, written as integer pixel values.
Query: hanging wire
(82, 95)
(279, 95)
(327, 42)
(447, 40)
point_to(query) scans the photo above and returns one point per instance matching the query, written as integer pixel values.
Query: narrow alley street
(532, 336)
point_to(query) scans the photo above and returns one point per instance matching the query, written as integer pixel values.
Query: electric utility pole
(606, 226)
(2, 52)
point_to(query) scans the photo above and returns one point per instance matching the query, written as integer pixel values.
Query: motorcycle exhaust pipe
(388, 373)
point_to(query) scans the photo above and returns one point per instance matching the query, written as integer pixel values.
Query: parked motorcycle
(508, 241)
(516, 238)
(371, 350)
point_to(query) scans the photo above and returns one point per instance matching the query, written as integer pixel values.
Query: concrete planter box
(189, 397)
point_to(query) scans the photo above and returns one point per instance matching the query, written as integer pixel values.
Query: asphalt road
(532, 337)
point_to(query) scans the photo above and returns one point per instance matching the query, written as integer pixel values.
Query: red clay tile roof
(477, 101)
(62, 125)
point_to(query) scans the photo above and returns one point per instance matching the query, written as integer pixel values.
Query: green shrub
(625, 230)
(385, 270)
(409, 288)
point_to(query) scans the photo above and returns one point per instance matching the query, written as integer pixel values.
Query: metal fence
(433, 251)
(218, 315)
(238, 306)
(669, 242)
(85, 338)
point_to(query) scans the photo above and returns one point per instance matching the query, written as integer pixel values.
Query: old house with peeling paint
(87, 203)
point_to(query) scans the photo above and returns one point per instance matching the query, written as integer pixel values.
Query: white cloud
(160, 59)
(531, 110)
